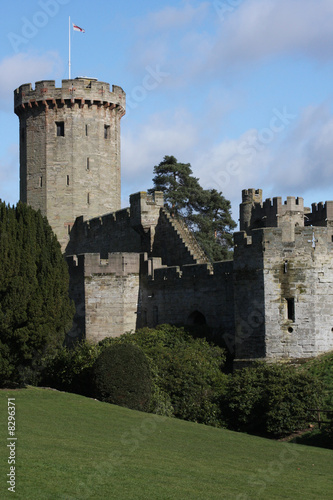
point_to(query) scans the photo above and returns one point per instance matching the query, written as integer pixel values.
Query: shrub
(322, 368)
(71, 369)
(270, 399)
(187, 369)
(122, 376)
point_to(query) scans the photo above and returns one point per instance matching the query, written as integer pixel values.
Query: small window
(88, 164)
(88, 198)
(60, 129)
(291, 309)
(86, 130)
(41, 181)
(106, 131)
(67, 180)
(69, 229)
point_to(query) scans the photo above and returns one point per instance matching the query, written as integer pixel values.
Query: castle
(141, 267)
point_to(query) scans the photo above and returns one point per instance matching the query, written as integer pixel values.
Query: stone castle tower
(70, 149)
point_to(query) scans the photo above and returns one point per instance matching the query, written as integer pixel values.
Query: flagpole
(69, 48)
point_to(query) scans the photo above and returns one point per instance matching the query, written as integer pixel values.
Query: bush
(322, 368)
(270, 399)
(71, 369)
(122, 376)
(187, 369)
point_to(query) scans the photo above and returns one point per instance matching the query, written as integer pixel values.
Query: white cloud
(144, 147)
(304, 160)
(230, 167)
(9, 177)
(263, 28)
(184, 43)
(294, 163)
(170, 18)
(25, 68)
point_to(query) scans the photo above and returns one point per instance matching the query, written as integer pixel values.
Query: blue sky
(242, 90)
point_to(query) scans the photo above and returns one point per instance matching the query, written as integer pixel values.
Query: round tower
(70, 149)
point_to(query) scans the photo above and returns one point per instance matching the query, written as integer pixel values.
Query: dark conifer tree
(205, 211)
(35, 310)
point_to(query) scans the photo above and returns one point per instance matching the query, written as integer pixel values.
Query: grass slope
(70, 447)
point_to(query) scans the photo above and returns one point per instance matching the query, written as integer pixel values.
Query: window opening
(106, 131)
(88, 164)
(67, 180)
(291, 309)
(86, 130)
(60, 129)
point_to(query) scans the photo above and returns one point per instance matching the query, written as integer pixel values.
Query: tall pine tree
(205, 211)
(35, 310)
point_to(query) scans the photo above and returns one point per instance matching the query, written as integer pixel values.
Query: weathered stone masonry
(70, 149)
(283, 280)
(141, 267)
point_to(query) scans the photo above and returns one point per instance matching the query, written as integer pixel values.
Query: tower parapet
(255, 214)
(70, 149)
(320, 215)
(78, 90)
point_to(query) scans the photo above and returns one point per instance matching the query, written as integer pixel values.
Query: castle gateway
(141, 267)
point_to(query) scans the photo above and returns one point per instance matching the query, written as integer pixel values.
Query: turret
(70, 149)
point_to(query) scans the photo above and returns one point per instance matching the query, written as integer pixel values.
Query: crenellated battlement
(321, 214)
(256, 214)
(119, 264)
(252, 196)
(83, 91)
(192, 272)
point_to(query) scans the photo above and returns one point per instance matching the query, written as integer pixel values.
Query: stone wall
(191, 294)
(107, 294)
(298, 293)
(283, 293)
(143, 227)
(70, 149)
(249, 292)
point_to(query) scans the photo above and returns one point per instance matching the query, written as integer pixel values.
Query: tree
(35, 310)
(205, 211)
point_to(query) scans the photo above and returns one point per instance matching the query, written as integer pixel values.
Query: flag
(77, 28)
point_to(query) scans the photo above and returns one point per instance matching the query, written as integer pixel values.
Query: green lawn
(71, 447)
